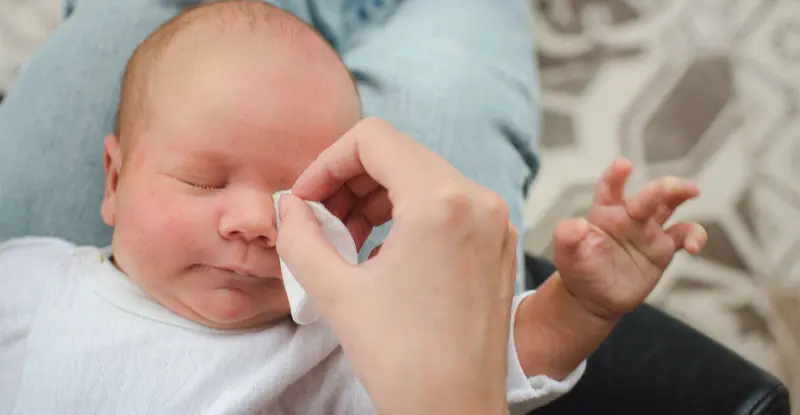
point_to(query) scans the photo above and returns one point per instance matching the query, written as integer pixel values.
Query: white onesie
(77, 337)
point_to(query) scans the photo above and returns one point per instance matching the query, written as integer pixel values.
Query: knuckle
(496, 207)
(453, 204)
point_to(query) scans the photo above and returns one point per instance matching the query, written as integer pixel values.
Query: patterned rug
(703, 89)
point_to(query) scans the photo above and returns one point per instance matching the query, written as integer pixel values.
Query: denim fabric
(457, 75)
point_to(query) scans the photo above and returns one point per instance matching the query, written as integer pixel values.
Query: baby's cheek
(162, 222)
(179, 218)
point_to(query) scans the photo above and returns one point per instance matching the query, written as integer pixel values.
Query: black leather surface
(653, 364)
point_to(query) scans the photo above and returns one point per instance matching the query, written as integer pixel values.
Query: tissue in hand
(303, 311)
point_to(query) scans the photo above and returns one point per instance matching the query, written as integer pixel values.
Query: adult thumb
(314, 262)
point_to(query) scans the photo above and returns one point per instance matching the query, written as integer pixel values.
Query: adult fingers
(372, 148)
(302, 245)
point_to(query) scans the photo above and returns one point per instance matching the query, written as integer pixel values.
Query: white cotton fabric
(78, 337)
(302, 309)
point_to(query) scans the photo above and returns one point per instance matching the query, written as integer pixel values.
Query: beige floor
(706, 89)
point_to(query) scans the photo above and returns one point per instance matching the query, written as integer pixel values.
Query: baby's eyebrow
(197, 160)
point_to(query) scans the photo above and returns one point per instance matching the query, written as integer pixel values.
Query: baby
(186, 311)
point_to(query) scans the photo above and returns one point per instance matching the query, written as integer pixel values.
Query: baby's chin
(232, 309)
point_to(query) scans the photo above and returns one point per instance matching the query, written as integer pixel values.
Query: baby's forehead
(211, 33)
(213, 44)
(235, 24)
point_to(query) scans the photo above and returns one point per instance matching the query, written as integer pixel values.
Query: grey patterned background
(704, 89)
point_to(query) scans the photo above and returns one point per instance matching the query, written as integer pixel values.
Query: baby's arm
(553, 334)
(607, 265)
(528, 388)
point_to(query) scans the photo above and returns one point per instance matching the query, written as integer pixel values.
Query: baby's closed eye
(197, 171)
(204, 184)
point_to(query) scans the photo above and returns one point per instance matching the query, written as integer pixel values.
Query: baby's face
(192, 207)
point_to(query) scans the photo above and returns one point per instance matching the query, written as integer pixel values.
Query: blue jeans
(457, 75)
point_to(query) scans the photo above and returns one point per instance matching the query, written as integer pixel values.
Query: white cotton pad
(303, 311)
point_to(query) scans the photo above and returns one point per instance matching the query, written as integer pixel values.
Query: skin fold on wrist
(554, 333)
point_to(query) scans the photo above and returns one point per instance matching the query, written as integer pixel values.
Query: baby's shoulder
(33, 258)
(27, 266)
(35, 247)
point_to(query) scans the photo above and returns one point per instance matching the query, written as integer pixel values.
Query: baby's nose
(252, 220)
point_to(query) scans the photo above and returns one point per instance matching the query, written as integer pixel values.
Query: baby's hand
(613, 260)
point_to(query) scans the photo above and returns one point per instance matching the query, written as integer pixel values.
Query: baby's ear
(112, 162)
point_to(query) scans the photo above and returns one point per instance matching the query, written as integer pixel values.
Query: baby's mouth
(240, 273)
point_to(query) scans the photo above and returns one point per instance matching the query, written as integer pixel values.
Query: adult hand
(425, 321)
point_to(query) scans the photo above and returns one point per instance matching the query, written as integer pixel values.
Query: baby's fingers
(610, 189)
(567, 237)
(674, 200)
(668, 193)
(690, 236)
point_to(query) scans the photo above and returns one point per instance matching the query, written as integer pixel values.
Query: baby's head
(220, 107)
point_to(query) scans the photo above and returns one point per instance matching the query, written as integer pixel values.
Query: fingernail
(672, 183)
(703, 234)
